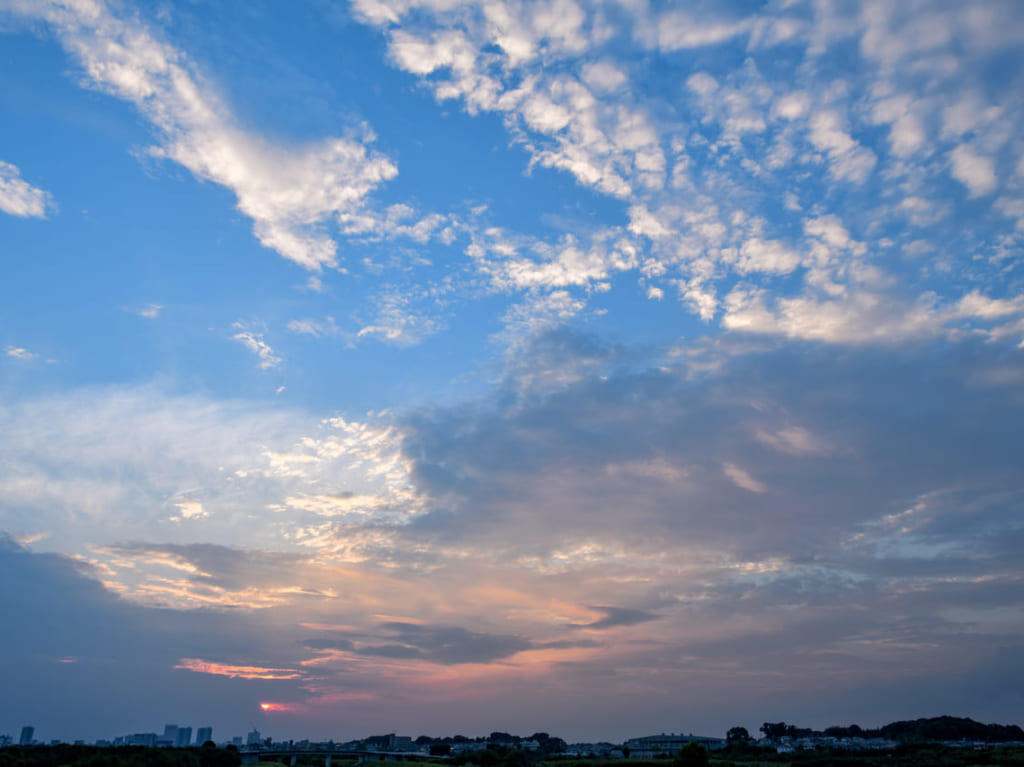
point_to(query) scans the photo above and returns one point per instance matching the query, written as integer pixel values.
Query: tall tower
(27, 736)
(184, 739)
(203, 734)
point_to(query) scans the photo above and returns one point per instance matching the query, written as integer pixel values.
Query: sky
(450, 366)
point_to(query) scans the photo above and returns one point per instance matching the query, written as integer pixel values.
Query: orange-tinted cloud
(240, 672)
(276, 707)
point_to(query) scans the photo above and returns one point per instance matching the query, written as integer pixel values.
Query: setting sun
(275, 707)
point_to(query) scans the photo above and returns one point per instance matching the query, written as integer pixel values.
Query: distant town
(775, 738)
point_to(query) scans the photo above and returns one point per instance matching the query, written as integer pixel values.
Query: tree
(774, 730)
(693, 754)
(737, 735)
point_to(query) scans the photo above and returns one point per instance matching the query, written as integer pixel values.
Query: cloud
(619, 616)
(235, 672)
(621, 497)
(848, 160)
(315, 328)
(444, 644)
(741, 478)
(289, 192)
(974, 171)
(700, 179)
(19, 353)
(396, 322)
(253, 341)
(147, 311)
(19, 198)
(190, 508)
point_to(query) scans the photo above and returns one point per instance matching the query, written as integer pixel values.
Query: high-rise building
(170, 737)
(203, 734)
(184, 737)
(27, 736)
(253, 738)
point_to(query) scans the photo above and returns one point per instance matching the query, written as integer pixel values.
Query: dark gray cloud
(618, 616)
(328, 644)
(445, 644)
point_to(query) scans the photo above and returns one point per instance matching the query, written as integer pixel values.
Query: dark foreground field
(918, 755)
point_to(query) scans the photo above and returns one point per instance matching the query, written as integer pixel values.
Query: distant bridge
(292, 755)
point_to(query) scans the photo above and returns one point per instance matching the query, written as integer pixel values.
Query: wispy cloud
(147, 311)
(235, 672)
(19, 353)
(253, 341)
(290, 193)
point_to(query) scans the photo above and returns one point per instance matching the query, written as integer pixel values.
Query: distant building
(28, 734)
(184, 737)
(141, 739)
(5, 741)
(253, 738)
(652, 746)
(170, 737)
(390, 742)
(236, 740)
(203, 734)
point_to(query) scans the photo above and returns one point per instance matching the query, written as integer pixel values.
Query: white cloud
(792, 106)
(677, 29)
(253, 341)
(604, 76)
(105, 464)
(848, 160)
(768, 256)
(289, 193)
(974, 304)
(189, 508)
(396, 322)
(974, 171)
(856, 318)
(147, 311)
(19, 353)
(18, 197)
(540, 312)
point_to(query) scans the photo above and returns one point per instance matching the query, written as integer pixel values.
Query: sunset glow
(240, 672)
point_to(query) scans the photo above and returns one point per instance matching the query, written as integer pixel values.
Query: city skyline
(599, 368)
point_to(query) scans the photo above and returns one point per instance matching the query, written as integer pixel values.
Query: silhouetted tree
(737, 735)
(693, 754)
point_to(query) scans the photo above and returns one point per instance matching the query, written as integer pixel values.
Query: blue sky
(438, 366)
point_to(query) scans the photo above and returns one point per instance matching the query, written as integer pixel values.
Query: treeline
(65, 755)
(937, 728)
(546, 743)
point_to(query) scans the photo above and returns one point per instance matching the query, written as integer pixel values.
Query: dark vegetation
(937, 728)
(121, 756)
